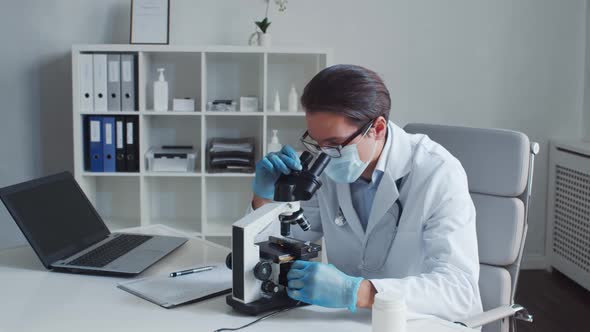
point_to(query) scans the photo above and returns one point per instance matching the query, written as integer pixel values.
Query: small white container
(183, 105)
(171, 159)
(277, 103)
(274, 145)
(248, 104)
(293, 100)
(161, 92)
(389, 312)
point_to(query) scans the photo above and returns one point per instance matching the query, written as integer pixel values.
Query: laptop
(68, 234)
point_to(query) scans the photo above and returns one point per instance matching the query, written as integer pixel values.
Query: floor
(557, 303)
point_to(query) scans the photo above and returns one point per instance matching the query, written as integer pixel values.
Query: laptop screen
(54, 215)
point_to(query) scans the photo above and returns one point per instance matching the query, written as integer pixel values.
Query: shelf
(237, 113)
(224, 241)
(116, 199)
(172, 174)
(158, 131)
(219, 227)
(92, 48)
(170, 113)
(230, 175)
(201, 203)
(117, 224)
(284, 113)
(230, 76)
(107, 174)
(182, 72)
(113, 113)
(289, 131)
(183, 225)
(175, 202)
(286, 70)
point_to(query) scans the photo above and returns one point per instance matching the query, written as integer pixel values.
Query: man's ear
(380, 127)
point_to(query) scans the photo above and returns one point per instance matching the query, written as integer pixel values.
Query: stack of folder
(111, 143)
(107, 82)
(231, 155)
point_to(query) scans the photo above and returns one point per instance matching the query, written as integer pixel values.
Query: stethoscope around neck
(340, 220)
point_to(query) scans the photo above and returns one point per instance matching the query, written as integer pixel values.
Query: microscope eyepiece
(301, 185)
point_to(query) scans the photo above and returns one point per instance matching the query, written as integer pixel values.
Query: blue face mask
(349, 167)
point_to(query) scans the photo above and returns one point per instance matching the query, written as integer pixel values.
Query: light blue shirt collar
(363, 192)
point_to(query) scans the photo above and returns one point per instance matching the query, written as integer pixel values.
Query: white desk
(33, 299)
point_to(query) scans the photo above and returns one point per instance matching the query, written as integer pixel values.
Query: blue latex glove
(323, 285)
(269, 168)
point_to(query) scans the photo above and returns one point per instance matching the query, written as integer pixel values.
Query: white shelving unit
(201, 203)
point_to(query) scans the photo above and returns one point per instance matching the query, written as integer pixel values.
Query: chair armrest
(493, 315)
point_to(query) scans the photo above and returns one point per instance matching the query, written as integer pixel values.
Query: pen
(189, 271)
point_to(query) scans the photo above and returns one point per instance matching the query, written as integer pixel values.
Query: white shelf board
(284, 113)
(117, 224)
(159, 229)
(93, 48)
(230, 175)
(172, 174)
(182, 224)
(237, 113)
(170, 113)
(112, 174)
(217, 227)
(113, 113)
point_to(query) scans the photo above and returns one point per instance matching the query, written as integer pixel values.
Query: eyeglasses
(333, 151)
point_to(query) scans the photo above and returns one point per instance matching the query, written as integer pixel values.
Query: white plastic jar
(389, 312)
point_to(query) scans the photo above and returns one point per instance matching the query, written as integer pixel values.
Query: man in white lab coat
(394, 210)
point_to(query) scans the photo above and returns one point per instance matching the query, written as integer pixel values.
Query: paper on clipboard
(170, 292)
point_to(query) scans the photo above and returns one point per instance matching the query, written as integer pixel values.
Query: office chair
(499, 166)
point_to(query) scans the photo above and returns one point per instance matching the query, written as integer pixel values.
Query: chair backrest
(499, 166)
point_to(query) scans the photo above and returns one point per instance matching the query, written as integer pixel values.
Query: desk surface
(34, 299)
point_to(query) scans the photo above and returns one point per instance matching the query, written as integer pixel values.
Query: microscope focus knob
(269, 287)
(228, 261)
(263, 271)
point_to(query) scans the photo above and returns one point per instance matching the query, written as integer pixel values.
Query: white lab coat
(433, 260)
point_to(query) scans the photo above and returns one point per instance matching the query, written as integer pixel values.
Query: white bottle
(277, 104)
(389, 312)
(161, 92)
(293, 100)
(274, 145)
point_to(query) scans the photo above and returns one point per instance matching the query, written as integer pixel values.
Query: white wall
(494, 63)
(35, 84)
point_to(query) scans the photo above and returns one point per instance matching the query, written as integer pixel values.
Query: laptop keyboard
(108, 252)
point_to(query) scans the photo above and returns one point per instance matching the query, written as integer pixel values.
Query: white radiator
(568, 210)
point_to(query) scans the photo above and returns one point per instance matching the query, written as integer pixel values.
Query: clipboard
(170, 292)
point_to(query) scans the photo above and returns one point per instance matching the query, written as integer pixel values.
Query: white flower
(282, 4)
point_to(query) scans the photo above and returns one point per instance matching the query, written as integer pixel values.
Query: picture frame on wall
(150, 22)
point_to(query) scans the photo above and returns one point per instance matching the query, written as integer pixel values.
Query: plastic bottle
(161, 92)
(389, 312)
(293, 100)
(277, 104)
(274, 145)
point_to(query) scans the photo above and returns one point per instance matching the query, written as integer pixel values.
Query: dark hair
(352, 91)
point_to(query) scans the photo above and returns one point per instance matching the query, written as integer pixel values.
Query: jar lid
(389, 300)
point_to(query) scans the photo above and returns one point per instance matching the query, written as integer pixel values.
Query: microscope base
(263, 305)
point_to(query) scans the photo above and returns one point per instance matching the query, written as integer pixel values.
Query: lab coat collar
(398, 162)
(396, 146)
(382, 162)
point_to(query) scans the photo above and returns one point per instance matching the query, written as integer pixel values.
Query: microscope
(259, 269)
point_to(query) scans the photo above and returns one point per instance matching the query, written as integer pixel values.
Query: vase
(264, 39)
(259, 38)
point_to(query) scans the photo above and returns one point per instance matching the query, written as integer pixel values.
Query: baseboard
(534, 262)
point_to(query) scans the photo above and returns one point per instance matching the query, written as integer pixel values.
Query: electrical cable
(255, 321)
